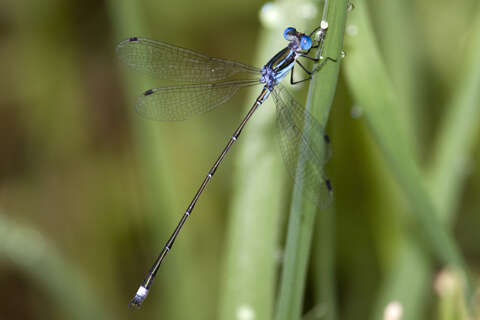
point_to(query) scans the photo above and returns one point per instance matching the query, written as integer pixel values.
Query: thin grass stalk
(254, 224)
(302, 211)
(409, 281)
(458, 132)
(407, 268)
(401, 63)
(451, 302)
(323, 264)
(372, 89)
(248, 279)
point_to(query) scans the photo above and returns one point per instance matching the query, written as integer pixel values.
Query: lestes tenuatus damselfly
(303, 142)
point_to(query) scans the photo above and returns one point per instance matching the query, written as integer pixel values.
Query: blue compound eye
(289, 33)
(305, 42)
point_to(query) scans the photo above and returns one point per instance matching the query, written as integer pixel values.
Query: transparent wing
(304, 146)
(170, 62)
(181, 102)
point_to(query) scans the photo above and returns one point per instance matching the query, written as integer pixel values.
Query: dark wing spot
(326, 138)
(148, 92)
(133, 39)
(329, 185)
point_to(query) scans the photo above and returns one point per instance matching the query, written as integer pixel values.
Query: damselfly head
(297, 39)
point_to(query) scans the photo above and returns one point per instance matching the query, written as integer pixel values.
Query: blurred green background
(89, 191)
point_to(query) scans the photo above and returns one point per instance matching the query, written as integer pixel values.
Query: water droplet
(342, 54)
(351, 30)
(393, 311)
(324, 25)
(356, 111)
(245, 312)
(269, 14)
(350, 6)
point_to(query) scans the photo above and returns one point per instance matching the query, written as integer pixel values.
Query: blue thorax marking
(278, 67)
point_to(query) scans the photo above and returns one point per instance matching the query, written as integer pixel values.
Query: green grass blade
(406, 268)
(372, 89)
(248, 283)
(302, 212)
(458, 133)
(323, 264)
(451, 303)
(401, 64)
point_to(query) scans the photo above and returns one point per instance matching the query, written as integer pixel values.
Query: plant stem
(302, 211)
(253, 226)
(372, 89)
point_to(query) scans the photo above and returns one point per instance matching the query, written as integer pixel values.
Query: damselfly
(304, 144)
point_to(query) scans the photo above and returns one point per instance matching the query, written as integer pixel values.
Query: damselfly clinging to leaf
(303, 142)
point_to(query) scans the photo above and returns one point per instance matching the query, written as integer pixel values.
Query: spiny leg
(293, 82)
(310, 73)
